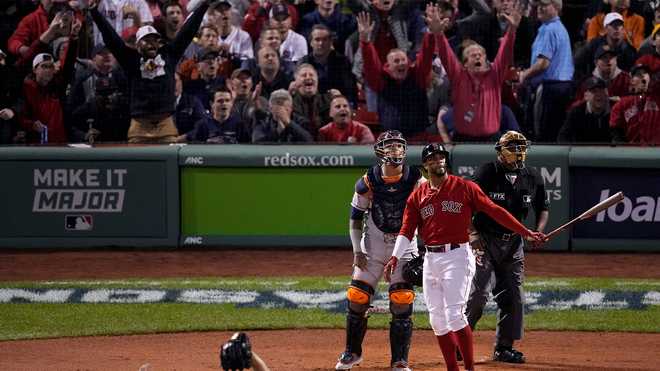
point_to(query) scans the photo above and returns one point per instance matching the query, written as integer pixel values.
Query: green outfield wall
(272, 195)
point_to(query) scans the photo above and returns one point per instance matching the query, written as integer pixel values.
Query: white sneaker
(401, 366)
(347, 361)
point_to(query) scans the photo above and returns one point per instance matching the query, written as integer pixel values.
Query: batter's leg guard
(359, 297)
(402, 297)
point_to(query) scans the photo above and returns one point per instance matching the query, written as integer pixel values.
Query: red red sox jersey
(443, 215)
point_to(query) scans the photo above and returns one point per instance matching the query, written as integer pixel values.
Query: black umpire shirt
(515, 190)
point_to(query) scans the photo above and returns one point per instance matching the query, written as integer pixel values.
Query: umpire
(500, 256)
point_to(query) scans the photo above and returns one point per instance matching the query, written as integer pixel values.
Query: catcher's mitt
(236, 354)
(413, 270)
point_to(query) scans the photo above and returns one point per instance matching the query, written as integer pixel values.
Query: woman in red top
(442, 210)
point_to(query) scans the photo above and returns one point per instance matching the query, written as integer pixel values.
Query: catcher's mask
(391, 148)
(512, 149)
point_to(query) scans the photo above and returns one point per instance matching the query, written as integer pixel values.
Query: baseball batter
(517, 188)
(442, 209)
(378, 203)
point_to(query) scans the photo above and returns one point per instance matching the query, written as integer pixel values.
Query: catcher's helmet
(433, 148)
(512, 149)
(390, 147)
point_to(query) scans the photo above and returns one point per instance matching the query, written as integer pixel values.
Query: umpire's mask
(512, 149)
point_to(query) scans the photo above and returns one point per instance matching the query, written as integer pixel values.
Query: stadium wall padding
(281, 195)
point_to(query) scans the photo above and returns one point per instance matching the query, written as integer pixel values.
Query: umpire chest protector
(517, 191)
(389, 199)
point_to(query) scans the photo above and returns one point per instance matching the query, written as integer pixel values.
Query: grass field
(22, 320)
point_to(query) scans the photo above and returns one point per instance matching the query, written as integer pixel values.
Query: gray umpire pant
(501, 273)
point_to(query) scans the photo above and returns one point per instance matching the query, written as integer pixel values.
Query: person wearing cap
(233, 41)
(333, 68)
(588, 121)
(104, 116)
(44, 92)
(257, 15)
(121, 15)
(294, 45)
(640, 78)
(607, 69)
(103, 65)
(633, 24)
(247, 100)
(634, 119)
(615, 39)
(342, 128)
(209, 79)
(36, 31)
(150, 72)
(441, 211)
(549, 79)
(329, 14)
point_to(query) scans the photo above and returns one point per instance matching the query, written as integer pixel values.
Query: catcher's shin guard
(359, 297)
(356, 328)
(400, 336)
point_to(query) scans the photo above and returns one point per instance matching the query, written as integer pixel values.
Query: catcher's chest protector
(389, 199)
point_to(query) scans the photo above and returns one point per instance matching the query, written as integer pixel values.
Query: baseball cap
(603, 50)
(612, 17)
(240, 71)
(594, 82)
(144, 31)
(639, 68)
(42, 57)
(279, 12)
(221, 4)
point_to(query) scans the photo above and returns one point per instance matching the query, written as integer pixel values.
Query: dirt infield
(303, 349)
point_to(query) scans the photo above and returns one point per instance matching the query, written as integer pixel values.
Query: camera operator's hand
(236, 354)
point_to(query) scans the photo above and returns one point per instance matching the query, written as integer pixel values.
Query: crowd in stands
(283, 71)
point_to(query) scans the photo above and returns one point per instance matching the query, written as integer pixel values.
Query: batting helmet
(390, 147)
(512, 149)
(433, 148)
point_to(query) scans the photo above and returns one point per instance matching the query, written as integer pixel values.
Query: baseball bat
(603, 205)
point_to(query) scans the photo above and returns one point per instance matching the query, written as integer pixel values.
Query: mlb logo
(78, 222)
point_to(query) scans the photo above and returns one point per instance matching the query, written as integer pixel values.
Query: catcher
(378, 204)
(237, 354)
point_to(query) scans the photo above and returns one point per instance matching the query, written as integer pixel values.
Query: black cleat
(508, 355)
